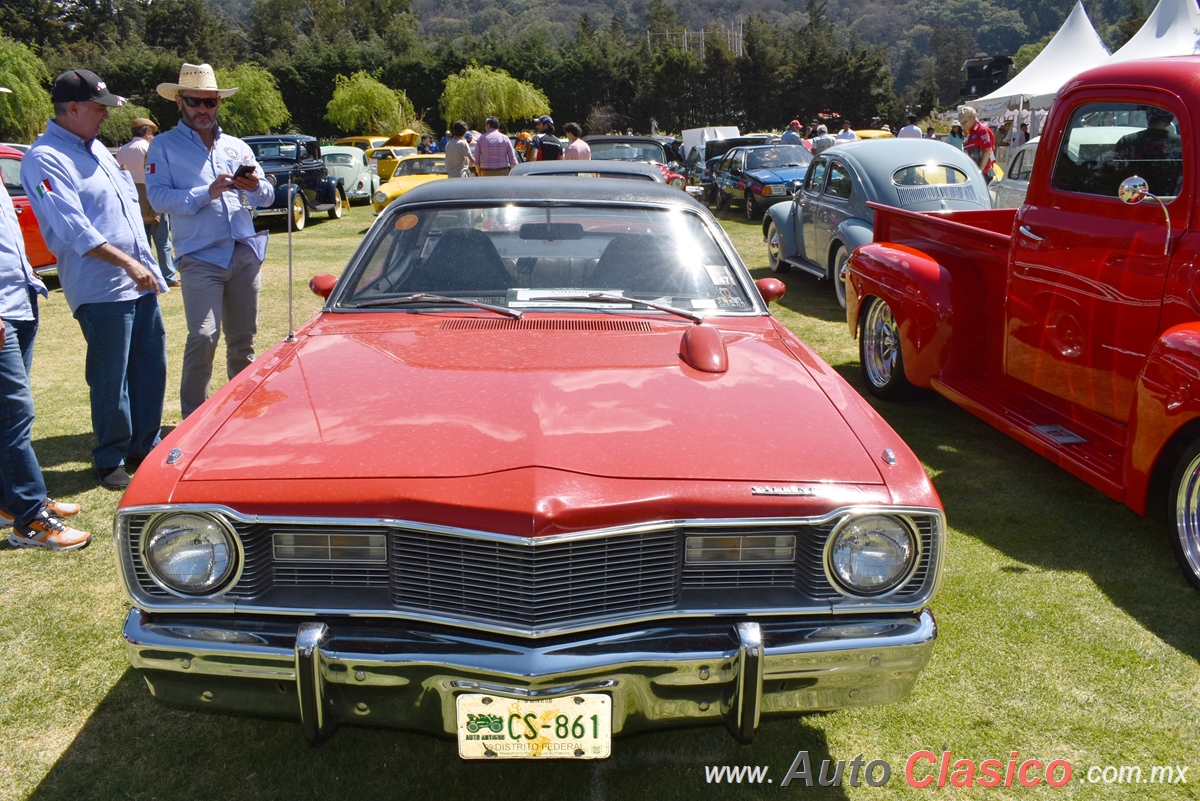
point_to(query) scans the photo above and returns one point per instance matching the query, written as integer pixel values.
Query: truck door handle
(1024, 229)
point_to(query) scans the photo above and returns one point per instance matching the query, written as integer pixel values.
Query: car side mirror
(323, 284)
(1134, 190)
(771, 289)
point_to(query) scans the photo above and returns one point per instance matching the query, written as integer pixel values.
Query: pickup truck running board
(1091, 458)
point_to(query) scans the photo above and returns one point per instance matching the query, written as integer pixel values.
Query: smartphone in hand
(244, 171)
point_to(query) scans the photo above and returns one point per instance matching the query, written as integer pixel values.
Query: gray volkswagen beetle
(828, 217)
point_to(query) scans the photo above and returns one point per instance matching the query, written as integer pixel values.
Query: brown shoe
(47, 531)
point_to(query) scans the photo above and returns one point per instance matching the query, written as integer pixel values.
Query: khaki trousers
(217, 299)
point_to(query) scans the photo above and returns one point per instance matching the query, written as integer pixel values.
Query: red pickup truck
(1073, 322)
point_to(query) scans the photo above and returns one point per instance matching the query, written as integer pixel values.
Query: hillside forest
(751, 63)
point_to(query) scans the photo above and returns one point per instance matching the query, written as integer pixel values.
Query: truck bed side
(973, 249)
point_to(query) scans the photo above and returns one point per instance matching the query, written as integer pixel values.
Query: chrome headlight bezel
(380, 197)
(902, 577)
(236, 555)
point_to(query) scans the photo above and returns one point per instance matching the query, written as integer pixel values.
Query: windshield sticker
(703, 303)
(727, 301)
(406, 221)
(718, 274)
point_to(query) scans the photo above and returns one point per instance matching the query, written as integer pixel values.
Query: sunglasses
(207, 102)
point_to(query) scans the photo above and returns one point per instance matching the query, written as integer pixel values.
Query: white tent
(1076, 47)
(1171, 30)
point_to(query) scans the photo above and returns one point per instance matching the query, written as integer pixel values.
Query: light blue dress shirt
(82, 199)
(790, 137)
(179, 170)
(16, 273)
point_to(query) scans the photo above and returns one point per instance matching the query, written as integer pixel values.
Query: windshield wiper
(609, 297)
(425, 297)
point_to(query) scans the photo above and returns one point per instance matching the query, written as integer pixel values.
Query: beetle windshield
(548, 257)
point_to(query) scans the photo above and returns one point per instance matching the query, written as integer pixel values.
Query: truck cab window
(1105, 143)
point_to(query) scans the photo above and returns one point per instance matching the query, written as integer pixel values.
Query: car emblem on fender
(790, 490)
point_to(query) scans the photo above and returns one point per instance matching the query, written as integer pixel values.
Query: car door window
(816, 176)
(1105, 143)
(840, 183)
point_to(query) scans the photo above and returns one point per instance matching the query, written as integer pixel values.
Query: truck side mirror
(1134, 190)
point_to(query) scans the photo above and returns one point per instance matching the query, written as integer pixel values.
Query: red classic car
(1071, 323)
(506, 487)
(40, 257)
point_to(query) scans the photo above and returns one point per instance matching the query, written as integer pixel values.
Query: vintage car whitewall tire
(1183, 513)
(837, 270)
(299, 212)
(776, 264)
(879, 352)
(339, 208)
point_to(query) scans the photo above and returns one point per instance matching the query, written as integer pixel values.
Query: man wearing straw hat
(208, 181)
(88, 210)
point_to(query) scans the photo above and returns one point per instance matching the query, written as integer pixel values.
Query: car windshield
(626, 151)
(12, 177)
(275, 150)
(540, 257)
(770, 158)
(431, 166)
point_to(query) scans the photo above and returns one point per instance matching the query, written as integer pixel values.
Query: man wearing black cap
(545, 146)
(90, 217)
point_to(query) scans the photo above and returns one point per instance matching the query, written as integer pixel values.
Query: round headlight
(872, 555)
(381, 198)
(677, 183)
(192, 554)
(271, 180)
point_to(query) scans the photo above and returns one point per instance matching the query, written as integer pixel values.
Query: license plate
(573, 727)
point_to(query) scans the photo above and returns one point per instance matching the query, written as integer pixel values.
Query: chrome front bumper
(380, 673)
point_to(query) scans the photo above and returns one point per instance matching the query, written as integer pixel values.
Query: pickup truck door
(1088, 272)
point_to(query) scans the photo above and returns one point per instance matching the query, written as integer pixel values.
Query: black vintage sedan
(302, 181)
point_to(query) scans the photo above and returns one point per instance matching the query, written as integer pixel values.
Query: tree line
(603, 73)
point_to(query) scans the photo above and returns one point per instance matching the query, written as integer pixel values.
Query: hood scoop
(543, 325)
(704, 349)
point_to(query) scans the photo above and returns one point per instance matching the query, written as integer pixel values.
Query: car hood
(780, 175)
(399, 185)
(366, 398)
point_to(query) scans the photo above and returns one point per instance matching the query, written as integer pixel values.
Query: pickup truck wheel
(299, 212)
(879, 352)
(839, 275)
(753, 212)
(339, 207)
(1183, 514)
(773, 261)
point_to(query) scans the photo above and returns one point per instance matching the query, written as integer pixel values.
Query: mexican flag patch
(150, 168)
(44, 188)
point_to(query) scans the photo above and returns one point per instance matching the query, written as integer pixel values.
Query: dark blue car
(758, 177)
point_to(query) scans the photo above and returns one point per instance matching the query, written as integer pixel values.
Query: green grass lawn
(1066, 629)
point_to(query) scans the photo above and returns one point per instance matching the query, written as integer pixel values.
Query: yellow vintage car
(410, 171)
(382, 160)
(362, 142)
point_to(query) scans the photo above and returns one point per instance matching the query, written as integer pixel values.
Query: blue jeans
(126, 372)
(20, 476)
(160, 234)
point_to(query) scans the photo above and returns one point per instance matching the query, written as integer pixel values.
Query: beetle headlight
(189, 553)
(381, 198)
(871, 555)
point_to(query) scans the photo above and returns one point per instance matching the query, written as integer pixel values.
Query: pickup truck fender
(917, 288)
(1166, 408)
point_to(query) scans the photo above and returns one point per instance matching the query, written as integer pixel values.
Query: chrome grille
(535, 584)
(921, 194)
(925, 530)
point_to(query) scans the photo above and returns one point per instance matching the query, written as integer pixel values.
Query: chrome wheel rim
(1187, 515)
(749, 205)
(772, 244)
(881, 344)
